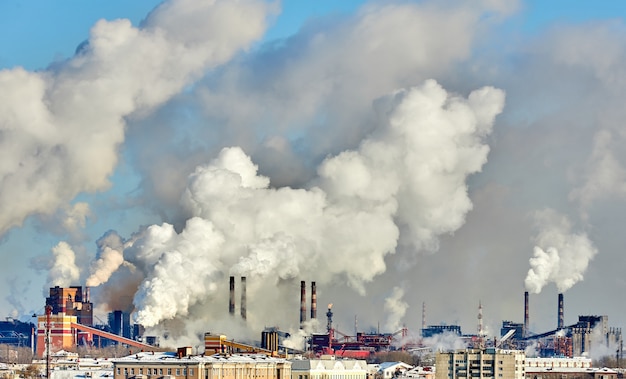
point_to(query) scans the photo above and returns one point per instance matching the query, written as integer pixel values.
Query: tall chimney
(423, 315)
(231, 303)
(313, 301)
(86, 297)
(561, 323)
(243, 298)
(302, 302)
(525, 331)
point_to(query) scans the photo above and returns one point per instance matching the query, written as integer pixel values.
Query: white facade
(576, 362)
(328, 368)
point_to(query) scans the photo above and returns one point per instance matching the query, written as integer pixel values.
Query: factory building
(72, 301)
(68, 323)
(433, 330)
(17, 333)
(566, 340)
(60, 333)
(183, 365)
(484, 363)
(119, 323)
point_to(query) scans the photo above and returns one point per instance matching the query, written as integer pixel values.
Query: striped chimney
(231, 303)
(243, 298)
(313, 301)
(302, 302)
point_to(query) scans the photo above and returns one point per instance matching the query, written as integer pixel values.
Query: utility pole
(48, 313)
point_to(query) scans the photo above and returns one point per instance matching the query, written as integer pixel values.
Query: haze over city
(402, 153)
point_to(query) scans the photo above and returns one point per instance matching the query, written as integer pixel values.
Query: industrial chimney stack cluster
(243, 306)
(560, 313)
(303, 302)
(231, 302)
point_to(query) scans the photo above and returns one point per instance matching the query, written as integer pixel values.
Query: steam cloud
(342, 226)
(63, 269)
(395, 177)
(111, 257)
(62, 127)
(561, 256)
(396, 309)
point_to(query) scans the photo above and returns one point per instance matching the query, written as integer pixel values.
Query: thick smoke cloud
(342, 226)
(110, 258)
(320, 125)
(62, 127)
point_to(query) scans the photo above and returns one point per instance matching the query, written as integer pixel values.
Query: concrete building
(71, 301)
(484, 363)
(327, 367)
(61, 334)
(183, 365)
(558, 362)
(570, 373)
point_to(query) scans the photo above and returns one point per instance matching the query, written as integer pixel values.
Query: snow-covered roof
(384, 366)
(171, 357)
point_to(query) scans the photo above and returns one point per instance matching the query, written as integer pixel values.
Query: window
(160, 371)
(191, 371)
(169, 371)
(132, 371)
(177, 372)
(185, 371)
(119, 371)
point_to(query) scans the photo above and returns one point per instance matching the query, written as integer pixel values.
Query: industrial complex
(68, 322)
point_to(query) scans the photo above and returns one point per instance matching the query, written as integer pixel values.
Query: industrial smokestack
(561, 323)
(423, 315)
(525, 331)
(86, 297)
(243, 298)
(231, 303)
(313, 301)
(302, 302)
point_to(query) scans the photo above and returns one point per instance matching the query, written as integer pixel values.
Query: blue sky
(554, 160)
(57, 28)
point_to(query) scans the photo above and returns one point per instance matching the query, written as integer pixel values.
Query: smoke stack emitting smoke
(302, 302)
(560, 256)
(244, 309)
(526, 314)
(313, 301)
(354, 211)
(561, 316)
(231, 300)
(404, 184)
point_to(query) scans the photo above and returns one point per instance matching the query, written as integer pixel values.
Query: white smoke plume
(63, 270)
(62, 127)
(560, 257)
(600, 345)
(396, 309)
(110, 258)
(447, 341)
(339, 228)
